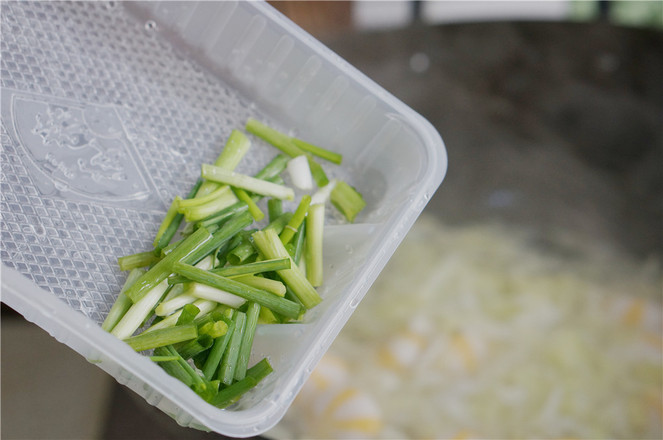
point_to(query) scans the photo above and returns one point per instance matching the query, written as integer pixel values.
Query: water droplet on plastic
(150, 25)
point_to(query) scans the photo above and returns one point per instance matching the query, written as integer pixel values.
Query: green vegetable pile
(193, 303)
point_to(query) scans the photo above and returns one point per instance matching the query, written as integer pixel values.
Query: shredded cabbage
(477, 332)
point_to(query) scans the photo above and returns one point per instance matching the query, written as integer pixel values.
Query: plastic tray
(108, 109)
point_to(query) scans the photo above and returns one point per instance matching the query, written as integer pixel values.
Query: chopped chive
(318, 151)
(229, 360)
(248, 183)
(273, 302)
(160, 338)
(266, 284)
(252, 313)
(122, 303)
(269, 245)
(347, 200)
(136, 261)
(260, 370)
(315, 221)
(229, 229)
(139, 311)
(296, 220)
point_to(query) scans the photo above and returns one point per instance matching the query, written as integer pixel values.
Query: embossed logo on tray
(80, 148)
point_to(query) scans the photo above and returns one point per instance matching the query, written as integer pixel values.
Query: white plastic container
(108, 109)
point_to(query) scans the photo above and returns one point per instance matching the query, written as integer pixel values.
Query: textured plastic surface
(108, 109)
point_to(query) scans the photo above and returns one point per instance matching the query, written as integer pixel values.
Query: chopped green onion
(136, 261)
(252, 313)
(266, 284)
(139, 311)
(317, 172)
(233, 151)
(175, 223)
(315, 221)
(323, 194)
(269, 245)
(167, 220)
(300, 173)
(318, 151)
(163, 358)
(165, 308)
(243, 181)
(273, 302)
(122, 303)
(195, 346)
(229, 360)
(281, 141)
(203, 291)
(188, 314)
(255, 211)
(216, 352)
(253, 268)
(274, 208)
(347, 200)
(203, 305)
(296, 220)
(160, 338)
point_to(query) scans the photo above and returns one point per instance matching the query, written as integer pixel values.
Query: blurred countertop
(549, 126)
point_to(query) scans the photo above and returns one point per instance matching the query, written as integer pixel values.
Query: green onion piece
(318, 151)
(173, 367)
(229, 360)
(225, 213)
(255, 211)
(175, 223)
(233, 151)
(266, 284)
(253, 268)
(260, 370)
(139, 311)
(221, 296)
(222, 191)
(203, 305)
(122, 303)
(317, 172)
(165, 308)
(160, 338)
(347, 200)
(232, 393)
(136, 261)
(163, 358)
(269, 245)
(195, 346)
(315, 221)
(216, 352)
(296, 220)
(160, 271)
(267, 317)
(281, 141)
(273, 302)
(252, 313)
(298, 243)
(188, 314)
(167, 220)
(223, 198)
(274, 168)
(274, 208)
(195, 378)
(214, 329)
(229, 229)
(248, 183)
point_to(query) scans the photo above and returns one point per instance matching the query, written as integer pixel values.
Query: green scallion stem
(315, 221)
(274, 208)
(298, 243)
(203, 305)
(317, 172)
(216, 352)
(255, 211)
(173, 367)
(167, 220)
(269, 245)
(266, 284)
(175, 223)
(224, 198)
(253, 268)
(248, 183)
(229, 361)
(221, 296)
(188, 314)
(195, 346)
(163, 337)
(232, 393)
(318, 151)
(122, 303)
(137, 261)
(139, 311)
(252, 313)
(279, 140)
(347, 200)
(233, 151)
(296, 220)
(273, 302)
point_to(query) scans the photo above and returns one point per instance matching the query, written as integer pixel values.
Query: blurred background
(527, 300)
